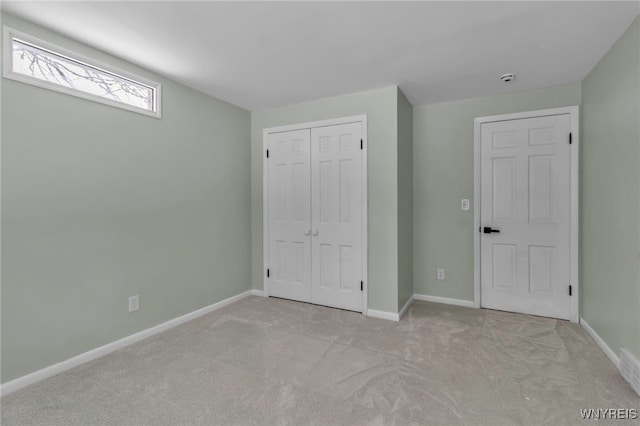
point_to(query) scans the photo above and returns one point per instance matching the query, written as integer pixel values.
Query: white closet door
(526, 216)
(289, 215)
(336, 205)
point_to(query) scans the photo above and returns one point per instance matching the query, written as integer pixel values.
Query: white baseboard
(405, 307)
(605, 348)
(445, 300)
(383, 315)
(77, 360)
(424, 297)
(256, 292)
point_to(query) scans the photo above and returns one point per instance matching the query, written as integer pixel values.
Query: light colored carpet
(270, 361)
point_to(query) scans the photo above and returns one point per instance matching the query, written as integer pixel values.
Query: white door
(336, 218)
(525, 216)
(289, 235)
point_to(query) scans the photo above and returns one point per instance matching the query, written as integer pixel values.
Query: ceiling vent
(508, 77)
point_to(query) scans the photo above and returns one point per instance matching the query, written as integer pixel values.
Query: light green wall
(100, 203)
(610, 228)
(381, 109)
(443, 175)
(405, 199)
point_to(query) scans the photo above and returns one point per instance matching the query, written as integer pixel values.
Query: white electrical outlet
(465, 204)
(440, 274)
(134, 303)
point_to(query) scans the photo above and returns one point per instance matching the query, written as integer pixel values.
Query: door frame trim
(574, 114)
(265, 194)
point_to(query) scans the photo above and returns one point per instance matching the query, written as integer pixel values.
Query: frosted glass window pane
(42, 64)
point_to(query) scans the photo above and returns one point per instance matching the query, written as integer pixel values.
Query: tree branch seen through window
(44, 65)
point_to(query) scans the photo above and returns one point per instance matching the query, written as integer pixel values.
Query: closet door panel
(289, 215)
(336, 212)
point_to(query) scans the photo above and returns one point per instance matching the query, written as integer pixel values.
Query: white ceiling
(267, 54)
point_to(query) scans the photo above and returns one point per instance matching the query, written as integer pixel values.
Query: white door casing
(336, 205)
(337, 264)
(289, 241)
(526, 188)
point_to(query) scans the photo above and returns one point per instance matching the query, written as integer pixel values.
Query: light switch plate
(465, 204)
(134, 303)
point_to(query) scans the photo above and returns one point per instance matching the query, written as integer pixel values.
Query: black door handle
(488, 230)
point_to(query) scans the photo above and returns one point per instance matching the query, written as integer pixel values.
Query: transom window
(36, 62)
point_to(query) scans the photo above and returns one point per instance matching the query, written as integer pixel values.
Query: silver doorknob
(315, 234)
(307, 232)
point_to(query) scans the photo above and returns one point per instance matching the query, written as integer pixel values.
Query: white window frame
(7, 59)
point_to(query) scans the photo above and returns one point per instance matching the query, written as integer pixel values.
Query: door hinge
(267, 272)
(267, 153)
(570, 290)
(570, 138)
(361, 285)
(361, 144)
